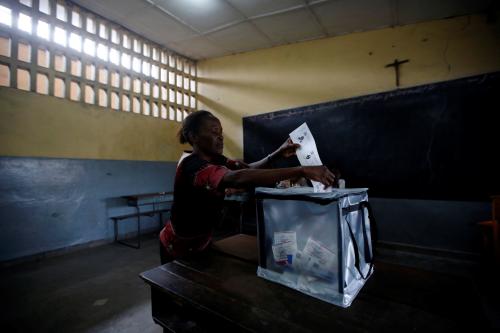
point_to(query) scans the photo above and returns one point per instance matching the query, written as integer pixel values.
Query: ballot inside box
(316, 243)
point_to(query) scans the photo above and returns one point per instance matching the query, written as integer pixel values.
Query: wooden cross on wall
(396, 65)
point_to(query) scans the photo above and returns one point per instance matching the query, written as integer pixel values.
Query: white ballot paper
(308, 153)
(317, 260)
(285, 246)
(323, 261)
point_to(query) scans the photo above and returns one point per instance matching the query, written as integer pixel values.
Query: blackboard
(436, 141)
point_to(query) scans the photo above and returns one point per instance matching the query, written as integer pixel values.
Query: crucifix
(396, 65)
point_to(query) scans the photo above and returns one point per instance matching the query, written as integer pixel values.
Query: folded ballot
(308, 153)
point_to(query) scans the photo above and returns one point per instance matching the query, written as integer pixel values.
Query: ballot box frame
(362, 205)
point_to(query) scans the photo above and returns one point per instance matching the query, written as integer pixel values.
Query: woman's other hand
(287, 149)
(240, 164)
(231, 191)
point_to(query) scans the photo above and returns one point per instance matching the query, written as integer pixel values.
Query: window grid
(160, 69)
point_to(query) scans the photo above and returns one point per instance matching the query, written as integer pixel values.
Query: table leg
(138, 228)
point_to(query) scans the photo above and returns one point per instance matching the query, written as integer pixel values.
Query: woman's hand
(287, 149)
(240, 164)
(320, 174)
(231, 191)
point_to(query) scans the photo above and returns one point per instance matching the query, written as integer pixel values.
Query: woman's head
(203, 131)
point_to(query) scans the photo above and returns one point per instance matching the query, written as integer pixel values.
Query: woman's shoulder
(192, 162)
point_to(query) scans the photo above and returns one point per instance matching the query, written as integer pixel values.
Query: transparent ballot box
(316, 243)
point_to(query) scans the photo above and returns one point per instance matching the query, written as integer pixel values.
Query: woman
(203, 176)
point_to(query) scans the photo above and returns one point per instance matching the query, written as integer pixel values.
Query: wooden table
(217, 292)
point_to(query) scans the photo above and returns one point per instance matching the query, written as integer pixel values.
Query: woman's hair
(192, 123)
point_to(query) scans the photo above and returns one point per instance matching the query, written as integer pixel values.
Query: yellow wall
(341, 67)
(252, 83)
(44, 126)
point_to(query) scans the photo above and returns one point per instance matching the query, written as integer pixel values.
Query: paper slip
(320, 260)
(301, 261)
(285, 237)
(281, 252)
(317, 251)
(285, 246)
(308, 153)
(310, 265)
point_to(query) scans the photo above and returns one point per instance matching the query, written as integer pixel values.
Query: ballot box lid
(306, 193)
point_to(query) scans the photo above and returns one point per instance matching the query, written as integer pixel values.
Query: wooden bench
(116, 219)
(138, 201)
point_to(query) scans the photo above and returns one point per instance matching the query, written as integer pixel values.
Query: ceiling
(201, 29)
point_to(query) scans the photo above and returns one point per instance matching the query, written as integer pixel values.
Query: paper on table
(308, 153)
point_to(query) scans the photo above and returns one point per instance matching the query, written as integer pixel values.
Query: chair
(490, 231)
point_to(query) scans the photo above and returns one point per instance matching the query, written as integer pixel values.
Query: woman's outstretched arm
(265, 177)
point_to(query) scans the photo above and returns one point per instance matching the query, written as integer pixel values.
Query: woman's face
(209, 139)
